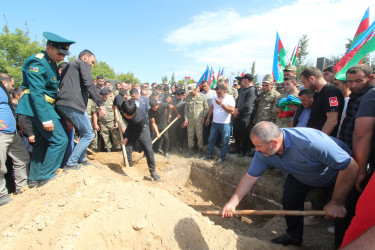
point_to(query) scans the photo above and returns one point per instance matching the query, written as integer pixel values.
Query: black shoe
(189, 153)
(286, 240)
(42, 183)
(206, 158)
(75, 167)
(233, 151)
(5, 199)
(241, 154)
(155, 176)
(33, 184)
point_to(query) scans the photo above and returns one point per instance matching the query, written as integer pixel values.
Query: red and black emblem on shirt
(333, 101)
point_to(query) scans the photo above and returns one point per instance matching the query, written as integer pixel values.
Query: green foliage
(302, 62)
(173, 79)
(102, 68)
(182, 81)
(127, 77)
(72, 58)
(253, 73)
(15, 47)
(164, 79)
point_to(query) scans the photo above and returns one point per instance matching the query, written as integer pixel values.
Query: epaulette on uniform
(39, 55)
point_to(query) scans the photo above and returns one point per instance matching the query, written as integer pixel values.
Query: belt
(48, 98)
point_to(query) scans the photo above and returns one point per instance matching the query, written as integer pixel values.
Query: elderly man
(311, 159)
(40, 84)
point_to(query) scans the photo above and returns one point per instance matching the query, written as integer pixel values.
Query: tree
(127, 77)
(164, 79)
(102, 68)
(302, 62)
(15, 47)
(173, 80)
(253, 73)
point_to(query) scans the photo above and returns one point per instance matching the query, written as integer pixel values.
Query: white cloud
(225, 38)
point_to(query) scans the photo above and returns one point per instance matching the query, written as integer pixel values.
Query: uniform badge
(333, 102)
(34, 69)
(54, 78)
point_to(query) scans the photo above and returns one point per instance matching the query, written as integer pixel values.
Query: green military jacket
(196, 107)
(41, 80)
(233, 92)
(109, 112)
(265, 105)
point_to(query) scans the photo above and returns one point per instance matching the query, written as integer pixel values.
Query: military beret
(58, 42)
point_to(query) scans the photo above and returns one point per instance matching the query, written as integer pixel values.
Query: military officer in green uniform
(40, 84)
(266, 101)
(196, 109)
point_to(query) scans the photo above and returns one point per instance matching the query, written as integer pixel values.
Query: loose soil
(101, 207)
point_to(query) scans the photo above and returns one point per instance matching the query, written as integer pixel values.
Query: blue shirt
(7, 120)
(304, 117)
(310, 155)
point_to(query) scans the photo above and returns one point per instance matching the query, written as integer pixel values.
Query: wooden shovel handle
(271, 212)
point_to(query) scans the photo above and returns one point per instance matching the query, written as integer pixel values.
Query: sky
(153, 38)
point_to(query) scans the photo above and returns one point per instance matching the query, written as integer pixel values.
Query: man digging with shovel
(137, 135)
(311, 159)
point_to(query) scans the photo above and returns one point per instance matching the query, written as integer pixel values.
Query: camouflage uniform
(196, 108)
(90, 108)
(233, 92)
(265, 104)
(107, 124)
(285, 121)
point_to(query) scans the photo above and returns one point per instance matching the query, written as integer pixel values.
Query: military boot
(189, 153)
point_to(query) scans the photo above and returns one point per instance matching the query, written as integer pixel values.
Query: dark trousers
(206, 131)
(294, 196)
(241, 133)
(142, 143)
(163, 141)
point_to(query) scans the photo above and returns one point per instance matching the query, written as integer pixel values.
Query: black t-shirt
(367, 109)
(329, 99)
(160, 115)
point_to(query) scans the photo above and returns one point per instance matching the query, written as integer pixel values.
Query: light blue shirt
(7, 120)
(310, 155)
(304, 117)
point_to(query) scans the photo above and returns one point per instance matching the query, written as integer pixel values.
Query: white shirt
(220, 115)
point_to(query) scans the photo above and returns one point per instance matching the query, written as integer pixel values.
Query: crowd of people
(320, 133)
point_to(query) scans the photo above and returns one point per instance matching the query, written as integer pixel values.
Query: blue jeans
(80, 122)
(224, 131)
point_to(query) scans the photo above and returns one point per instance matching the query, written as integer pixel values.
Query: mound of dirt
(98, 207)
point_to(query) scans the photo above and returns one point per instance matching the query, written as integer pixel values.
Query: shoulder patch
(39, 55)
(34, 69)
(333, 102)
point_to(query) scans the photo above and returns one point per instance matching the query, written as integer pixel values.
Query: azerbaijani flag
(363, 26)
(210, 77)
(293, 58)
(213, 81)
(222, 71)
(279, 60)
(218, 74)
(364, 45)
(203, 77)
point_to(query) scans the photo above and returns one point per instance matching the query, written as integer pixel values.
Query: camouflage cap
(235, 82)
(191, 87)
(268, 78)
(290, 68)
(222, 79)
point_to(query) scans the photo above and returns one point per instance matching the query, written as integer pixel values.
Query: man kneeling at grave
(137, 135)
(312, 159)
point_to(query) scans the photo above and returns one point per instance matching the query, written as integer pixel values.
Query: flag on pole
(222, 71)
(213, 81)
(279, 61)
(210, 77)
(364, 45)
(363, 26)
(203, 77)
(218, 74)
(293, 58)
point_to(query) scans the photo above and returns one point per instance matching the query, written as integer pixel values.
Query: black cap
(104, 91)
(58, 42)
(248, 76)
